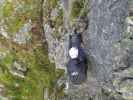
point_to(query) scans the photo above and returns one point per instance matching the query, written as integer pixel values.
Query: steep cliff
(34, 37)
(25, 69)
(107, 34)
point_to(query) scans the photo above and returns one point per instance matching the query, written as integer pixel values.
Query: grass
(58, 23)
(41, 73)
(14, 15)
(76, 9)
(7, 9)
(53, 3)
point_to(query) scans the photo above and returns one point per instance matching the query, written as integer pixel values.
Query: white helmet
(73, 52)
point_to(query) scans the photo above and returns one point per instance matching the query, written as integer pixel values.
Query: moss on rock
(58, 24)
(41, 72)
(76, 9)
(7, 9)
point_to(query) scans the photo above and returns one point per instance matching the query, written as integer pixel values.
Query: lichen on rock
(24, 63)
(34, 41)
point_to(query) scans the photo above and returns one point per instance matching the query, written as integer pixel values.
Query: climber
(77, 66)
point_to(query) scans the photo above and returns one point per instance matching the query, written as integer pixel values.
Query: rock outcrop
(25, 69)
(34, 34)
(107, 35)
(18, 69)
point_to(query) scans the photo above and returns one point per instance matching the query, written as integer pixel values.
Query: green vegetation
(76, 9)
(41, 74)
(58, 22)
(14, 24)
(7, 9)
(15, 16)
(52, 3)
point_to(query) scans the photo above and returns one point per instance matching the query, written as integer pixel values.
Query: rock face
(106, 46)
(18, 69)
(34, 34)
(22, 37)
(57, 49)
(108, 43)
(25, 69)
(105, 29)
(57, 28)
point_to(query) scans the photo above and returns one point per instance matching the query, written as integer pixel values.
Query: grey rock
(2, 88)
(130, 58)
(54, 13)
(4, 33)
(2, 55)
(57, 49)
(126, 88)
(2, 91)
(23, 36)
(3, 98)
(109, 46)
(107, 49)
(2, 1)
(18, 69)
(104, 30)
(19, 66)
(131, 6)
(46, 94)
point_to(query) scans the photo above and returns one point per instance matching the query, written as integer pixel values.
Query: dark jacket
(77, 65)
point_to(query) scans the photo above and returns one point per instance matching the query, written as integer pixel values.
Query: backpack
(77, 67)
